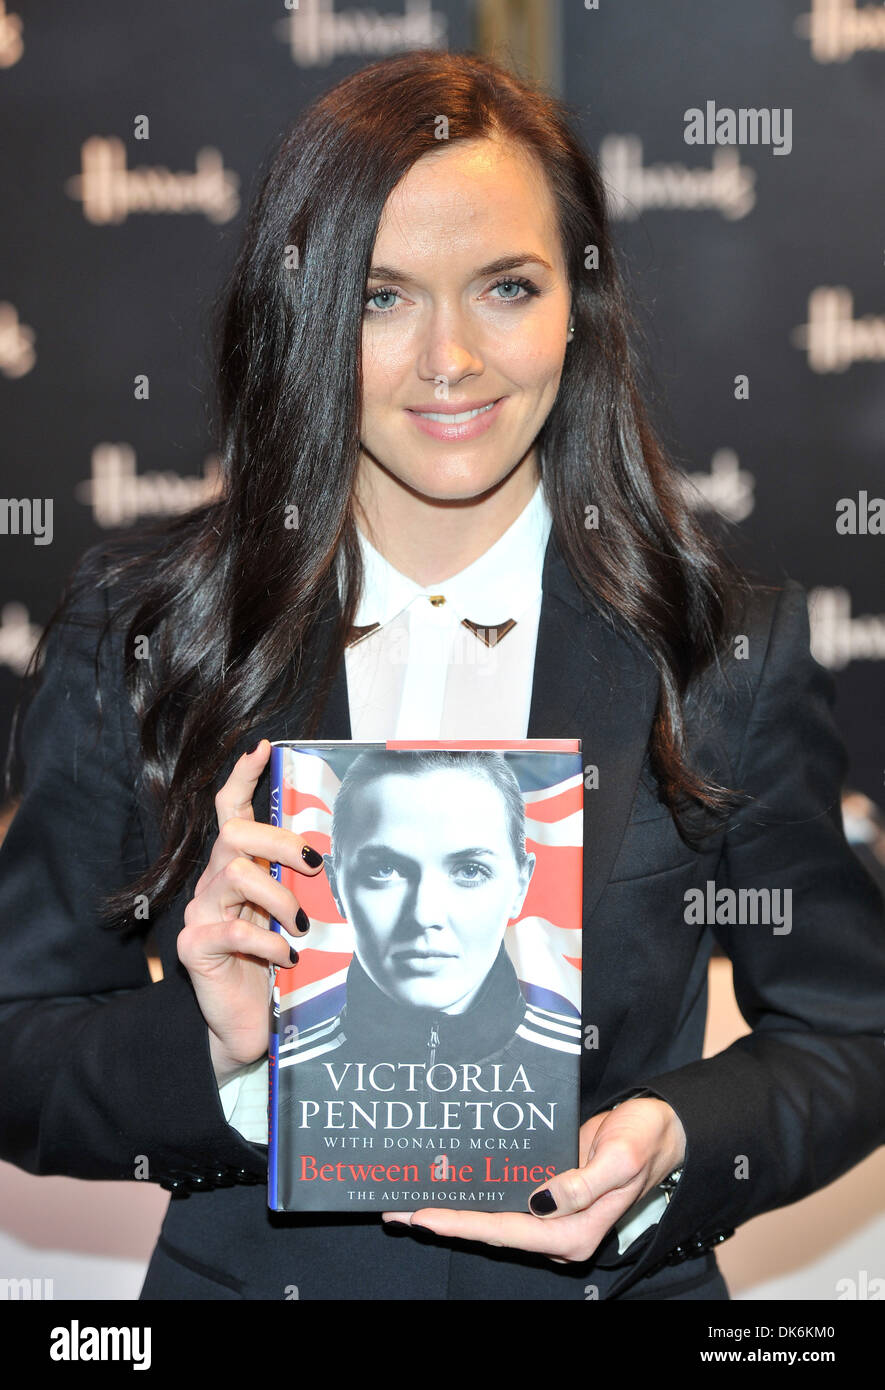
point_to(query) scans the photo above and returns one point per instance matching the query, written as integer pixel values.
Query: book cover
(425, 1050)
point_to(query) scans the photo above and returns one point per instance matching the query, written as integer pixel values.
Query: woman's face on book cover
(441, 329)
(429, 884)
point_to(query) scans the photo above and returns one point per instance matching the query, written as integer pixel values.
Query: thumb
(589, 1130)
(612, 1167)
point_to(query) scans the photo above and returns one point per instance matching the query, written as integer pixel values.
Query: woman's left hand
(624, 1152)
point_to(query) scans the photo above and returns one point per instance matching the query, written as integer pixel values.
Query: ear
(525, 878)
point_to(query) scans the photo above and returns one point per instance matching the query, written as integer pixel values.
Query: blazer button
(222, 1177)
(243, 1175)
(677, 1255)
(198, 1182)
(177, 1186)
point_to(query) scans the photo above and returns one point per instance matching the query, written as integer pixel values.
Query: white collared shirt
(423, 674)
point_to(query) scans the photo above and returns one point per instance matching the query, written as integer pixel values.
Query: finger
(235, 797)
(243, 883)
(241, 839)
(266, 843)
(271, 842)
(234, 802)
(571, 1238)
(492, 1228)
(206, 946)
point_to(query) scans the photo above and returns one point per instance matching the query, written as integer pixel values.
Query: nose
(427, 902)
(448, 351)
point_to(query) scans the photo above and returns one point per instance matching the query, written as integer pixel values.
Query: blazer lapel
(593, 682)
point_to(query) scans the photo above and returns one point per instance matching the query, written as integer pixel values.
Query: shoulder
(774, 616)
(763, 690)
(767, 645)
(764, 618)
(113, 571)
(105, 588)
(99, 596)
(77, 671)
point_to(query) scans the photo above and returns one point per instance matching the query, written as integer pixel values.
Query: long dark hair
(229, 597)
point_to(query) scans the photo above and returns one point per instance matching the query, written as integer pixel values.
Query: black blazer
(104, 1075)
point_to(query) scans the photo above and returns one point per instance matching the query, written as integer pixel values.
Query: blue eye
(380, 294)
(519, 283)
(383, 873)
(471, 873)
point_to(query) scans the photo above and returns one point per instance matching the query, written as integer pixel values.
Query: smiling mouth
(461, 418)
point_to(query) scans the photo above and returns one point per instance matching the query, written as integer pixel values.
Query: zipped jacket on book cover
(426, 1047)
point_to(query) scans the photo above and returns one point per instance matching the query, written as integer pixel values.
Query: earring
(571, 329)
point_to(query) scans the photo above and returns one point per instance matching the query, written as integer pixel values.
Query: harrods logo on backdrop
(110, 191)
(833, 337)
(317, 33)
(840, 28)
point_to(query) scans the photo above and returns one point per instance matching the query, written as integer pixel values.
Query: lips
(417, 954)
(438, 409)
(459, 423)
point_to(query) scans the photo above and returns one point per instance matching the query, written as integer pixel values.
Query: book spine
(276, 818)
(272, 1112)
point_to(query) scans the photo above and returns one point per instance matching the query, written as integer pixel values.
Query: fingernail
(302, 921)
(293, 955)
(311, 856)
(256, 748)
(542, 1203)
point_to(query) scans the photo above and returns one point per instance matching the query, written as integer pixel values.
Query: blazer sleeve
(103, 1074)
(801, 1099)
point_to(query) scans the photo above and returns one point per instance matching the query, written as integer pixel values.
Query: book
(425, 1049)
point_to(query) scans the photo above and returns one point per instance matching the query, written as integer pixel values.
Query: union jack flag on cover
(426, 1047)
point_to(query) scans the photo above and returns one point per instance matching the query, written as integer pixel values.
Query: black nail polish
(311, 856)
(302, 921)
(542, 1203)
(293, 955)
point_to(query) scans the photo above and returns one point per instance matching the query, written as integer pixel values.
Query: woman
(431, 240)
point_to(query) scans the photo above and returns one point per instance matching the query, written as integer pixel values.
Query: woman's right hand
(226, 945)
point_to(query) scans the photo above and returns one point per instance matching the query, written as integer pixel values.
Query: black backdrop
(114, 244)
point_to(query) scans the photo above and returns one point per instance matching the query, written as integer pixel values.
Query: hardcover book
(425, 1050)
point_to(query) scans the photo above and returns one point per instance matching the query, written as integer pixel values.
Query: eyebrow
(386, 272)
(473, 852)
(469, 852)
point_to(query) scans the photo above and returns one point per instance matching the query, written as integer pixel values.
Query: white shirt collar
(499, 584)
